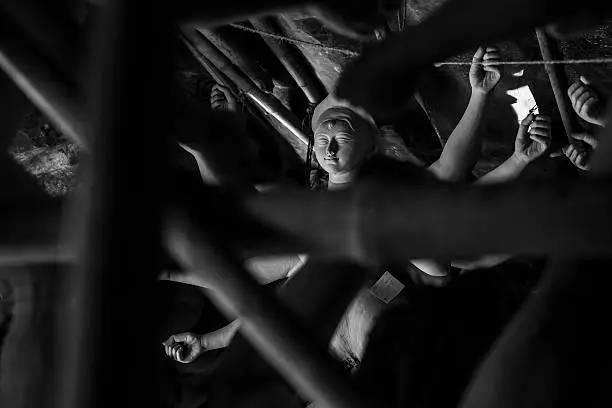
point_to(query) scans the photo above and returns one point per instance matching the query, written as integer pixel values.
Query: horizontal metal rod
(281, 339)
(393, 222)
(43, 85)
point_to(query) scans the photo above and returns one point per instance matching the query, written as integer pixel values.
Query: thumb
(584, 80)
(524, 127)
(559, 152)
(585, 137)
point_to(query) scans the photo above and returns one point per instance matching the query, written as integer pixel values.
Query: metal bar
(268, 104)
(278, 336)
(292, 61)
(391, 222)
(555, 83)
(42, 84)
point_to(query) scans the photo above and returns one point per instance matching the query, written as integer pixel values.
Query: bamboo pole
(292, 60)
(555, 83)
(263, 101)
(235, 52)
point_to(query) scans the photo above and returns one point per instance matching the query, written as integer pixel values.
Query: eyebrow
(329, 123)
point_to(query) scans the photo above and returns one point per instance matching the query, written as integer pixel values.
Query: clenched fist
(184, 347)
(586, 103)
(483, 78)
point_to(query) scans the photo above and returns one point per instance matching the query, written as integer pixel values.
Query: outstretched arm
(532, 140)
(463, 146)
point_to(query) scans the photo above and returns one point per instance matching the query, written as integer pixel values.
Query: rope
(536, 62)
(437, 64)
(296, 41)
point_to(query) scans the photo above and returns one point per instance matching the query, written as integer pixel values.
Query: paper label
(387, 288)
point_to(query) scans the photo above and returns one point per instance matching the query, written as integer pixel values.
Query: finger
(542, 133)
(574, 87)
(558, 153)
(581, 100)
(542, 118)
(224, 90)
(584, 80)
(528, 119)
(578, 93)
(589, 102)
(181, 337)
(493, 70)
(588, 139)
(217, 98)
(492, 48)
(541, 140)
(573, 155)
(176, 352)
(492, 56)
(542, 125)
(478, 55)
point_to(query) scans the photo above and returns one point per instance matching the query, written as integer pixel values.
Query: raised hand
(579, 153)
(483, 78)
(221, 99)
(533, 138)
(586, 103)
(184, 347)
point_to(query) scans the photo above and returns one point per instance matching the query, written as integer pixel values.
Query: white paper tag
(387, 288)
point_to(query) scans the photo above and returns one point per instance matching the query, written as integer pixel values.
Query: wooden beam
(555, 83)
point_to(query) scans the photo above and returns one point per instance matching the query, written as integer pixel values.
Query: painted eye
(321, 141)
(344, 140)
